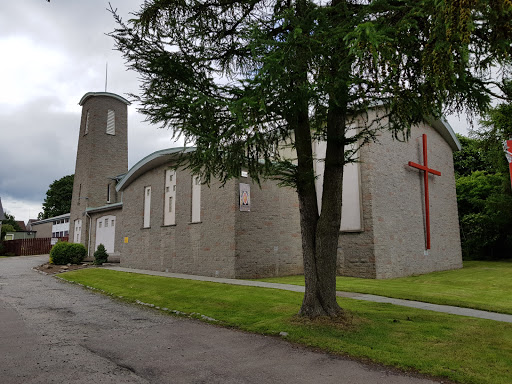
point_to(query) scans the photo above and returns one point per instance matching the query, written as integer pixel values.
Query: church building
(399, 214)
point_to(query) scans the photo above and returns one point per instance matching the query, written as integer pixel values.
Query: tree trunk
(319, 233)
(320, 236)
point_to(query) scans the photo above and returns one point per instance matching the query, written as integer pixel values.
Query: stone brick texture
(204, 248)
(394, 210)
(226, 243)
(99, 158)
(268, 238)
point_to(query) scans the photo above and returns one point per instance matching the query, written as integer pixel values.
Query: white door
(106, 232)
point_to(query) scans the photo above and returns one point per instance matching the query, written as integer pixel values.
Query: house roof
(22, 225)
(2, 215)
(51, 219)
(108, 94)
(149, 162)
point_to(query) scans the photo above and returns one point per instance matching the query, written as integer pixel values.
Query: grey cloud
(37, 146)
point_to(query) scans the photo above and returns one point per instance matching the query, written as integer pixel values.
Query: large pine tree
(239, 78)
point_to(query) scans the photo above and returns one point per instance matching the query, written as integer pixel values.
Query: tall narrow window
(108, 193)
(79, 193)
(78, 229)
(147, 207)
(196, 199)
(86, 131)
(111, 122)
(170, 197)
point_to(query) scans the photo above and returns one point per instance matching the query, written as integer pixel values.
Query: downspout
(89, 235)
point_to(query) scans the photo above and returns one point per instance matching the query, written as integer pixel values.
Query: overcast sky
(52, 54)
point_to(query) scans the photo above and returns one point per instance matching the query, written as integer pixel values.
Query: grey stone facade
(392, 243)
(100, 157)
(266, 240)
(226, 242)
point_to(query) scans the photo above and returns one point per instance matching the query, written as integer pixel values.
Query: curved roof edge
(446, 131)
(441, 125)
(107, 94)
(149, 162)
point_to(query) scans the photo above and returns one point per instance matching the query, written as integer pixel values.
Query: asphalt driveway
(54, 332)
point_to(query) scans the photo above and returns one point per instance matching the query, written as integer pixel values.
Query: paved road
(54, 332)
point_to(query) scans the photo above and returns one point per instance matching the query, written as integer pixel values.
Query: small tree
(100, 255)
(6, 228)
(10, 220)
(484, 196)
(484, 204)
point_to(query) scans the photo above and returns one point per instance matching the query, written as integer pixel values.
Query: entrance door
(106, 232)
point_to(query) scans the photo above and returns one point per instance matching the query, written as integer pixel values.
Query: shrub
(65, 253)
(101, 255)
(58, 254)
(77, 253)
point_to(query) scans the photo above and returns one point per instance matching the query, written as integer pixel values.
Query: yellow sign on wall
(126, 240)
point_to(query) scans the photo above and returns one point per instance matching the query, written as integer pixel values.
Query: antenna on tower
(106, 75)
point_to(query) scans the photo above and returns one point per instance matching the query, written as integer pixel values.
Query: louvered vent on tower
(87, 124)
(111, 122)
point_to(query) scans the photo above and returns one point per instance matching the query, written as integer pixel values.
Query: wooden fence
(26, 247)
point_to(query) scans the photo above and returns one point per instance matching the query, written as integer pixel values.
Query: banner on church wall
(245, 197)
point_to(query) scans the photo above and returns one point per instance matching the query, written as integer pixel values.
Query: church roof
(163, 156)
(446, 131)
(151, 161)
(108, 94)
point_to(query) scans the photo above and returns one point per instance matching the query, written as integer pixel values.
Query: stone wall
(268, 238)
(43, 230)
(397, 212)
(356, 251)
(204, 248)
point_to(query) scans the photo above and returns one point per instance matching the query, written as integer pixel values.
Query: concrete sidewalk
(352, 295)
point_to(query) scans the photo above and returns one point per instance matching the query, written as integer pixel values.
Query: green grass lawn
(459, 348)
(485, 285)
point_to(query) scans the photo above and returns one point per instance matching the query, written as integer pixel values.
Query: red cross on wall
(426, 170)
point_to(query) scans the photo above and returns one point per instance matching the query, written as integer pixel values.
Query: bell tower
(102, 155)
